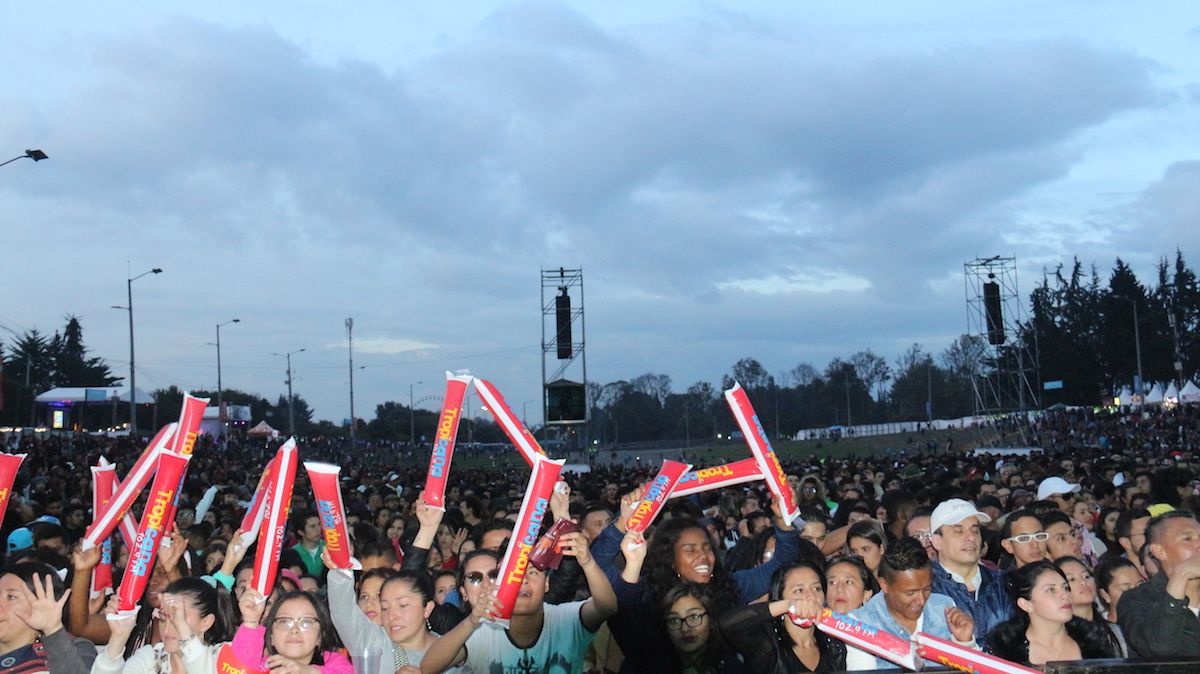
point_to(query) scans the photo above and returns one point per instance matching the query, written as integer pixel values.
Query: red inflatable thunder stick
(760, 446)
(965, 659)
(870, 639)
(718, 477)
(184, 440)
(9, 463)
(128, 492)
(103, 475)
(513, 428)
(128, 525)
(331, 512)
(534, 509)
(252, 522)
(278, 501)
(443, 441)
(150, 533)
(657, 493)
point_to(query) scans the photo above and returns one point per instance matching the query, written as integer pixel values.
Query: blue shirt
(933, 622)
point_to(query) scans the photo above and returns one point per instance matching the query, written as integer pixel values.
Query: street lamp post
(412, 421)
(36, 155)
(129, 308)
(291, 398)
(220, 399)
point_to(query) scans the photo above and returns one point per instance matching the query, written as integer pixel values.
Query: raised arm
(81, 621)
(450, 649)
(603, 602)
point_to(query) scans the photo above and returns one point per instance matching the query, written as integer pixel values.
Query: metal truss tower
(564, 352)
(1006, 378)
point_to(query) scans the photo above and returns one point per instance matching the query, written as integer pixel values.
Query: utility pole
(350, 343)
(291, 398)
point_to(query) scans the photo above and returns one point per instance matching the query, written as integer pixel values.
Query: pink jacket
(249, 642)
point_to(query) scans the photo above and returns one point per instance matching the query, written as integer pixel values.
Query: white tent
(1125, 396)
(1171, 395)
(92, 394)
(1155, 396)
(1190, 393)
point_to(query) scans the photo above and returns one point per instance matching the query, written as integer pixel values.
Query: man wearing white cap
(1060, 491)
(958, 537)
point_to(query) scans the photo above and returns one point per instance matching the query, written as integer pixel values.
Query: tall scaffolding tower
(1006, 379)
(565, 405)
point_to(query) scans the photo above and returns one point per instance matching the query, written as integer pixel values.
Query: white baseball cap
(1055, 485)
(954, 511)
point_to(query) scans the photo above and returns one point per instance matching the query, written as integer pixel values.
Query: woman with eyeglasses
(296, 638)
(770, 640)
(693, 631)
(195, 619)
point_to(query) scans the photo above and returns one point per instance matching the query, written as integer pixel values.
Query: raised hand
(85, 560)
(628, 504)
(575, 545)
(44, 612)
(426, 515)
(487, 609)
(633, 546)
(252, 607)
(171, 550)
(120, 628)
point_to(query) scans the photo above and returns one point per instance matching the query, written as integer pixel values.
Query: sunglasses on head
(476, 577)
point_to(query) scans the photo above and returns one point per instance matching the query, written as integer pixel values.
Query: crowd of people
(1088, 549)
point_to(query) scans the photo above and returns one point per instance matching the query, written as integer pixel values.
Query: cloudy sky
(788, 181)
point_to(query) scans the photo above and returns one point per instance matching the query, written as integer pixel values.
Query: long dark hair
(659, 568)
(710, 658)
(1008, 639)
(779, 585)
(1106, 571)
(329, 636)
(210, 601)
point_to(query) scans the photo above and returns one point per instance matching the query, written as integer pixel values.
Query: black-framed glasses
(693, 620)
(1026, 538)
(305, 624)
(476, 577)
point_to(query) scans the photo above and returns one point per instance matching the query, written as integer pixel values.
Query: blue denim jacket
(875, 613)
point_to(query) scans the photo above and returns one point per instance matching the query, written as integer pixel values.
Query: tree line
(1080, 332)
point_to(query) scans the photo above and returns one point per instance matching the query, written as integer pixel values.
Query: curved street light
(220, 400)
(36, 155)
(129, 308)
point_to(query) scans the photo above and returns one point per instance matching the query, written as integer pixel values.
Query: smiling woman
(296, 633)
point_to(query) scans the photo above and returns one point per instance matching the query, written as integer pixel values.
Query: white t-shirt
(559, 649)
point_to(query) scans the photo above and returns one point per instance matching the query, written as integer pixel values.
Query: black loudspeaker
(995, 315)
(562, 306)
(566, 402)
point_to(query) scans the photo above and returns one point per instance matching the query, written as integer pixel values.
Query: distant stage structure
(565, 406)
(1006, 379)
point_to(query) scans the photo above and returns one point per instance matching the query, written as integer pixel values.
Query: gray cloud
(669, 159)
